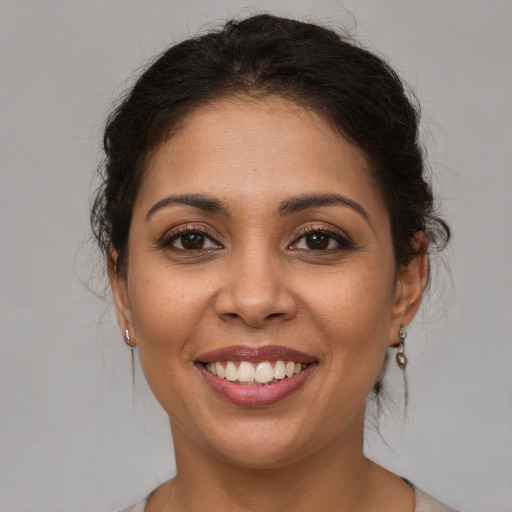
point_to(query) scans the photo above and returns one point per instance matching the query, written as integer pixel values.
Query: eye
(190, 240)
(321, 240)
(316, 242)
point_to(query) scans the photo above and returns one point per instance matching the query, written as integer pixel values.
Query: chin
(248, 443)
(261, 454)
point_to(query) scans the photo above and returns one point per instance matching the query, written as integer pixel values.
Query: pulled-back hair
(356, 92)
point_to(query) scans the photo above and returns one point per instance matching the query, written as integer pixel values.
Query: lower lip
(256, 396)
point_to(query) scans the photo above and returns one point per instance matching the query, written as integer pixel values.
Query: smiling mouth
(255, 376)
(245, 373)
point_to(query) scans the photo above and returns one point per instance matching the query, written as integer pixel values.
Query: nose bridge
(255, 290)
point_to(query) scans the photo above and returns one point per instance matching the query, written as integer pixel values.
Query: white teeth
(264, 372)
(231, 372)
(246, 372)
(220, 370)
(279, 370)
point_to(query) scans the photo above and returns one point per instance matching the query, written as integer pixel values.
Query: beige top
(424, 503)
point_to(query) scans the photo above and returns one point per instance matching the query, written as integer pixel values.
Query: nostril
(255, 305)
(274, 315)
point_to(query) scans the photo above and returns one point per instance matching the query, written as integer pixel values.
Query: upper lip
(255, 354)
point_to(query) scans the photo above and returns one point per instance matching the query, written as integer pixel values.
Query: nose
(256, 293)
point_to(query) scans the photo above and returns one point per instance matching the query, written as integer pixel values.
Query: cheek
(352, 309)
(164, 300)
(168, 308)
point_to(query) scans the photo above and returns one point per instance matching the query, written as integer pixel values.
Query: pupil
(316, 242)
(192, 241)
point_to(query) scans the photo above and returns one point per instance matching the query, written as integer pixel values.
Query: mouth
(255, 377)
(245, 373)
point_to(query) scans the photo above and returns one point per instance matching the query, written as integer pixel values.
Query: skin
(256, 281)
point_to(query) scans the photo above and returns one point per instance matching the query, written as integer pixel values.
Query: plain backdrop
(74, 436)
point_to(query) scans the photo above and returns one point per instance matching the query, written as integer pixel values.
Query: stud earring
(401, 358)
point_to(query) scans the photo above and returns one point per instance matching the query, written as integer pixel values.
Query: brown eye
(190, 240)
(317, 241)
(321, 240)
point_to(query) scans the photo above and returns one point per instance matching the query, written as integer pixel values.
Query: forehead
(253, 149)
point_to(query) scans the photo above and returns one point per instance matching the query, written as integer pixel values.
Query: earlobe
(411, 282)
(120, 295)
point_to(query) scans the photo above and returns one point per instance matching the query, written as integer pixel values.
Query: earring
(132, 356)
(401, 358)
(127, 338)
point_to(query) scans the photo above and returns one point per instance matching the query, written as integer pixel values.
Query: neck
(335, 477)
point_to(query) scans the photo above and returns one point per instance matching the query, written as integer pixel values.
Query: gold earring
(401, 358)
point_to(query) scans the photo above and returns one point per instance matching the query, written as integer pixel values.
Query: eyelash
(166, 242)
(343, 240)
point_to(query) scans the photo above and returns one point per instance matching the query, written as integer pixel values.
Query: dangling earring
(127, 338)
(401, 358)
(132, 355)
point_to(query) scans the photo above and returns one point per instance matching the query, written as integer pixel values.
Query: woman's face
(260, 243)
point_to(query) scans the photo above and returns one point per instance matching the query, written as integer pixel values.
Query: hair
(355, 91)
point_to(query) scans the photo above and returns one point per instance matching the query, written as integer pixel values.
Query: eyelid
(338, 234)
(174, 233)
(341, 236)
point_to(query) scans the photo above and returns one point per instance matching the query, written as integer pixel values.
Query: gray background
(73, 436)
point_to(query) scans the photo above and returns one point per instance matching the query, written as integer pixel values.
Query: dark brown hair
(353, 89)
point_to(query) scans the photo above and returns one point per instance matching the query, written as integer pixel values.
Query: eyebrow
(307, 201)
(287, 207)
(205, 203)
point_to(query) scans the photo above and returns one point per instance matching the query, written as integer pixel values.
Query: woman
(267, 227)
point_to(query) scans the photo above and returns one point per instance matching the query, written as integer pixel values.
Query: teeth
(246, 372)
(231, 371)
(263, 373)
(221, 372)
(279, 370)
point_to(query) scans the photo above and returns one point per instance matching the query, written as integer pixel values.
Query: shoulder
(426, 503)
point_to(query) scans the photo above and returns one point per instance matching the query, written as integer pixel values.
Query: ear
(119, 288)
(410, 285)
